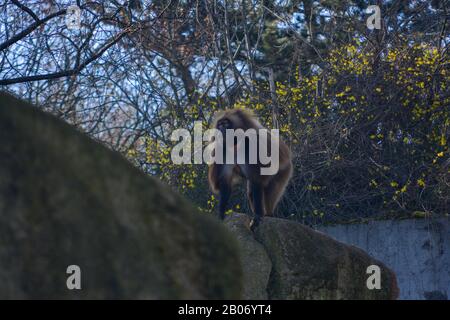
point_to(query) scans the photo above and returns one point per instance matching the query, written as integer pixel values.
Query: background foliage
(366, 112)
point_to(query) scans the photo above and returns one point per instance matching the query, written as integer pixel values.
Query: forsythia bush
(369, 134)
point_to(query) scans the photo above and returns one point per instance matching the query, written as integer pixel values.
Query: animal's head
(234, 119)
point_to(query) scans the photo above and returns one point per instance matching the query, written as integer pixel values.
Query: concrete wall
(418, 250)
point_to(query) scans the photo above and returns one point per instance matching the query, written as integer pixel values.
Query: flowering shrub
(369, 133)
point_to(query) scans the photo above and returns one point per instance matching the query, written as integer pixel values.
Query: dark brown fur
(267, 189)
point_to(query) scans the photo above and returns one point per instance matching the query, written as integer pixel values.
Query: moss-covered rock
(67, 200)
(256, 265)
(306, 264)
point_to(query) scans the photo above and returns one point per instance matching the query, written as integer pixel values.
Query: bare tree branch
(30, 29)
(66, 73)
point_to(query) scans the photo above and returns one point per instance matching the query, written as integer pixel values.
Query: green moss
(65, 199)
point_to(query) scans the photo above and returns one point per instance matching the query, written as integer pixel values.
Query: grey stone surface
(417, 250)
(256, 265)
(67, 200)
(304, 264)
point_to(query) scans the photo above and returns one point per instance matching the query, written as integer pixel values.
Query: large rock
(305, 264)
(256, 264)
(67, 200)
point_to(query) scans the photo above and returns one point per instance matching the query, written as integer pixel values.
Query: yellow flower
(443, 141)
(421, 183)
